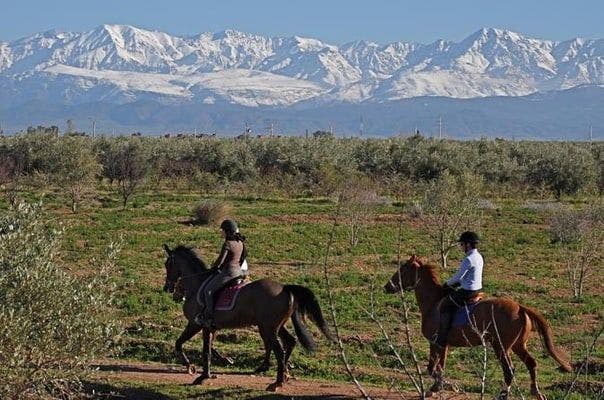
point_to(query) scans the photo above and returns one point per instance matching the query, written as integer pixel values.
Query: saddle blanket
(462, 315)
(228, 296)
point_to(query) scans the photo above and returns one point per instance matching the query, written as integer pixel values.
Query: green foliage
(76, 168)
(52, 323)
(295, 166)
(450, 205)
(127, 163)
(564, 169)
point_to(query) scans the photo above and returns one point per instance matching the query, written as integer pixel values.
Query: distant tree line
(294, 165)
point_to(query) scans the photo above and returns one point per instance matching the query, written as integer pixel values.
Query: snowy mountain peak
(125, 63)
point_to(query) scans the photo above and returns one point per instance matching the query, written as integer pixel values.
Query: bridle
(170, 263)
(415, 284)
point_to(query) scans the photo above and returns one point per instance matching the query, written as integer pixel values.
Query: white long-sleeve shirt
(469, 275)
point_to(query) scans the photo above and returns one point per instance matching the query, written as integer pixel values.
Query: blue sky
(336, 22)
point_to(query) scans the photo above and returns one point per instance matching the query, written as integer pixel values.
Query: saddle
(476, 298)
(464, 311)
(226, 297)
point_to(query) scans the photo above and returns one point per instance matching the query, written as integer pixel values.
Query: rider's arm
(464, 267)
(222, 256)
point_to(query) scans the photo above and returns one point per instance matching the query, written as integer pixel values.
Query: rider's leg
(447, 308)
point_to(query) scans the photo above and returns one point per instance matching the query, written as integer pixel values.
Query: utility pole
(93, 121)
(591, 134)
(361, 127)
(440, 127)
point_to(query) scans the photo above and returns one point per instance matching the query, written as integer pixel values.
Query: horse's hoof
(429, 393)
(503, 395)
(451, 387)
(191, 369)
(201, 378)
(274, 386)
(436, 387)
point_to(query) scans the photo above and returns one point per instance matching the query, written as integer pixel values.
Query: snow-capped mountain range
(122, 64)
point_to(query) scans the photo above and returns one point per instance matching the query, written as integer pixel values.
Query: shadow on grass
(109, 392)
(137, 368)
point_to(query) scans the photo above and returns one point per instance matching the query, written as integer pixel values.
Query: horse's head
(406, 277)
(173, 273)
(184, 264)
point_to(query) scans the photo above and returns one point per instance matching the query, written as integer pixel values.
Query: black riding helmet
(229, 226)
(468, 237)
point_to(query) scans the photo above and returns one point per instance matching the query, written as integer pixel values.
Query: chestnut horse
(503, 323)
(263, 303)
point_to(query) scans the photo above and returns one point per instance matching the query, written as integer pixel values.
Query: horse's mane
(192, 254)
(432, 271)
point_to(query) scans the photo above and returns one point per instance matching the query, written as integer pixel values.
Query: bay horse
(263, 303)
(502, 322)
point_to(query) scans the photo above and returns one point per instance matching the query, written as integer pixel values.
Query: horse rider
(468, 277)
(227, 267)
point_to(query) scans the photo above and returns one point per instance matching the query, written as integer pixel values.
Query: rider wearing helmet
(468, 277)
(227, 266)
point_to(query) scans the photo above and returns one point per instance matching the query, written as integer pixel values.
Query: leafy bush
(52, 323)
(209, 212)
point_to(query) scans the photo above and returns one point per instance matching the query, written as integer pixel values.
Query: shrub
(209, 212)
(52, 324)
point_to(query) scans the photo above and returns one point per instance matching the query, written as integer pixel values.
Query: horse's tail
(306, 304)
(546, 333)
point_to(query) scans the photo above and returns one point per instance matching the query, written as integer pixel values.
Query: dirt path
(113, 370)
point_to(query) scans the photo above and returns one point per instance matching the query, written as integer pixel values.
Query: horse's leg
(206, 355)
(190, 330)
(219, 358)
(433, 360)
(528, 360)
(266, 363)
(289, 341)
(440, 358)
(271, 336)
(503, 356)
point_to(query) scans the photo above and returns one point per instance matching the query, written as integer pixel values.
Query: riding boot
(443, 327)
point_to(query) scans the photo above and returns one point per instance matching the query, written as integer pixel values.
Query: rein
(171, 263)
(401, 283)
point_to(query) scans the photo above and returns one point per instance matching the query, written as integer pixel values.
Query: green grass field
(287, 241)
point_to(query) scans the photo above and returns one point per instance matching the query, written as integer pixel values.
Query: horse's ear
(167, 249)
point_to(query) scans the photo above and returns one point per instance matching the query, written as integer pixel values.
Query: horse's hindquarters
(262, 303)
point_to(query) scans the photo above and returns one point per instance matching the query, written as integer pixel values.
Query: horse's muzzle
(169, 287)
(389, 287)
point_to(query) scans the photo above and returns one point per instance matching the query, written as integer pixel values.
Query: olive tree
(52, 323)
(76, 168)
(126, 163)
(450, 204)
(580, 237)
(565, 169)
